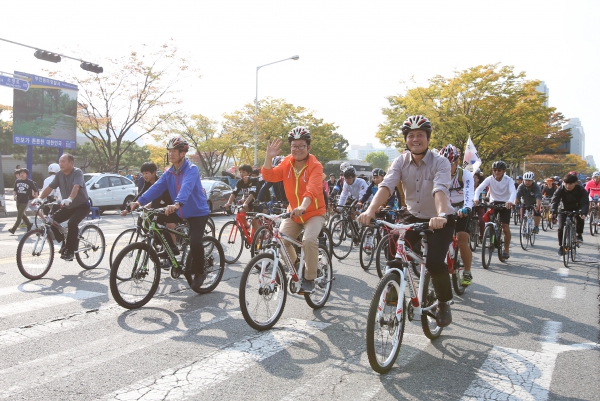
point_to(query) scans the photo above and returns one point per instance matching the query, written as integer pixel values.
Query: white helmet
(54, 168)
(345, 166)
(528, 175)
(596, 174)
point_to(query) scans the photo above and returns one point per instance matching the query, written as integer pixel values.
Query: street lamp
(256, 106)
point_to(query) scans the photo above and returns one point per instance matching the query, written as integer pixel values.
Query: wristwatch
(442, 215)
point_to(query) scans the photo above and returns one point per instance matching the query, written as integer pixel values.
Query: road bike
(264, 286)
(237, 234)
(135, 274)
(388, 309)
(35, 252)
(516, 214)
(546, 215)
(526, 232)
(345, 232)
(493, 236)
(569, 238)
(594, 216)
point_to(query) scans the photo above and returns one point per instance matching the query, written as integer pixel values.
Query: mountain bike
(345, 232)
(388, 310)
(473, 230)
(594, 216)
(135, 274)
(493, 236)
(372, 237)
(526, 233)
(569, 239)
(234, 235)
(264, 286)
(546, 215)
(35, 252)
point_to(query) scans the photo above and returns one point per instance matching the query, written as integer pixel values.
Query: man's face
(23, 175)
(350, 180)
(571, 186)
(299, 149)
(377, 179)
(148, 176)
(498, 173)
(417, 141)
(175, 155)
(245, 175)
(528, 183)
(596, 179)
(332, 178)
(65, 164)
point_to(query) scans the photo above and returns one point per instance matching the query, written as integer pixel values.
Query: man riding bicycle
(302, 177)
(248, 187)
(426, 179)
(531, 195)
(574, 198)
(182, 181)
(352, 187)
(501, 189)
(593, 187)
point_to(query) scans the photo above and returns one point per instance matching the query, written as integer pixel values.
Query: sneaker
(198, 281)
(536, 230)
(307, 287)
(505, 255)
(23, 225)
(12, 230)
(443, 315)
(467, 279)
(561, 251)
(579, 238)
(68, 256)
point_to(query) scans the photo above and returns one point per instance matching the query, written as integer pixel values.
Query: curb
(14, 214)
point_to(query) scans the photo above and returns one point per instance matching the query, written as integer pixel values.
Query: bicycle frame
(157, 229)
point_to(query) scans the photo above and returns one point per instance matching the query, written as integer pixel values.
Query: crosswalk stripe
(46, 302)
(559, 292)
(25, 287)
(192, 378)
(52, 367)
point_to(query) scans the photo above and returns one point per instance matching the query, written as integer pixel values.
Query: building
(577, 142)
(360, 152)
(590, 161)
(545, 90)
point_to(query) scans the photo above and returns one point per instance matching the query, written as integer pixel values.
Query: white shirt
(500, 191)
(55, 192)
(356, 190)
(464, 194)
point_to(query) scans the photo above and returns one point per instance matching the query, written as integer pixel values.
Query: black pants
(437, 248)
(197, 225)
(75, 216)
(21, 216)
(561, 224)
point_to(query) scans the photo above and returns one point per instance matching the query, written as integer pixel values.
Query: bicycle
(516, 212)
(526, 233)
(234, 235)
(493, 236)
(594, 215)
(388, 310)
(345, 232)
(35, 252)
(569, 239)
(546, 215)
(263, 286)
(474, 230)
(136, 271)
(372, 237)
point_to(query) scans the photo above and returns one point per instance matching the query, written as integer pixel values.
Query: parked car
(109, 191)
(217, 193)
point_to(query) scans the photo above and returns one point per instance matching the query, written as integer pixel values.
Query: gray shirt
(421, 182)
(65, 184)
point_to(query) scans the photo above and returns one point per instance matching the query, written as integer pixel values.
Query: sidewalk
(10, 206)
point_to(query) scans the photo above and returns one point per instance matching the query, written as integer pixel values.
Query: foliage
(158, 155)
(378, 160)
(94, 162)
(6, 134)
(544, 166)
(501, 110)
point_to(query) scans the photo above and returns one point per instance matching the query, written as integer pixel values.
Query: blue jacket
(184, 187)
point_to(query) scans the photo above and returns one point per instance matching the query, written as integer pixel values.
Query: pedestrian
(24, 190)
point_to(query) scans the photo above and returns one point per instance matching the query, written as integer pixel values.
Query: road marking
(46, 302)
(24, 288)
(563, 272)
(49, 368)
(559, 292)
(513, 374)
(194, 377)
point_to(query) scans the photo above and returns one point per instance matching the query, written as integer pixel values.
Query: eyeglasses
(298, 147)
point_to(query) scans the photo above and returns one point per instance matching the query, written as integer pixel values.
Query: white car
(109, 191)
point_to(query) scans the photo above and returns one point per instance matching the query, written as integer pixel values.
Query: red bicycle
(236, 234)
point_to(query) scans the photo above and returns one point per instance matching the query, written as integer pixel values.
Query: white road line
(46, 302)
(194, 377)
(25, 287)
(563, 272)
(73, 360)
(559, 292)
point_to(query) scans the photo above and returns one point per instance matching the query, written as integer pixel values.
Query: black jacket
(574, 200)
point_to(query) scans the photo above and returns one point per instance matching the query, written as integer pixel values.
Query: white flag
(471, 160)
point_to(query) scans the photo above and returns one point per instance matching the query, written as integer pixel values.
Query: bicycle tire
(94, 253)
(366, 255)
(566, 244)
(209, 229)
(544, 222)
(574, 244)
(342, 243)
(391, 328)
(473, 233)
(593, 223)
(332, 220)
(523, 235)
(500, 249)
(28, 269)
(487, 246)
(123, 239)
(383, 255)
(233, 236)
(532, 235)
(457, 276)
(214, 266)
(323, 282)
(261, 241)
(138, 252)
(328, 240)
(428, 322)
(253, 295)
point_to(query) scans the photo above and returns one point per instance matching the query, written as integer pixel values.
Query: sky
(353, 54)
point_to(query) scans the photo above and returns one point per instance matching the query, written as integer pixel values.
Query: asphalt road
(525, 330)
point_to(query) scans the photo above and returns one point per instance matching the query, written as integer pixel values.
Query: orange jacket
(308, 183)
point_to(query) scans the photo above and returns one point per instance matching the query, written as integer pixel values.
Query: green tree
(94, 162)
(6, 133)
(378, 160)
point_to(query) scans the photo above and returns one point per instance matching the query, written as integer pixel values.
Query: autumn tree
(378, 160)
(544, 166)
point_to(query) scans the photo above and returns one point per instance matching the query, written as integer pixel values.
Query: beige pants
(312, 228)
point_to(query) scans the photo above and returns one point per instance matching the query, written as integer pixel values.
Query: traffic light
(91, 67)
(47, 56)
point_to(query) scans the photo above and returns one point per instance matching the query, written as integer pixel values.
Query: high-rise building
(545, 90)
(590, 161)
(359, 152)
(577, 143)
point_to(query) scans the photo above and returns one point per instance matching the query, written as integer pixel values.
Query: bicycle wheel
(549, 220)
(473, 234)
(261, 241)
(323, 282)
(262, 301)
(457, 276)
(140, 264)
(209, 229)
(231, 238)
(383, 254)
(566, 244)
(544, 221)
(214, 265)
(487, 246)
(35, 254)
(368, 247)
(127, 237)
(334, 219)
(325, 233)
(532, 235)
(428, 323)
(385, 324)
(593, 227)
(500, 248)
(91, 247)
(574, 244)
(516, 216)
(524, 235)
(342, 242)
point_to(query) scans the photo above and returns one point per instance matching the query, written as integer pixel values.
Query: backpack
(459, 172)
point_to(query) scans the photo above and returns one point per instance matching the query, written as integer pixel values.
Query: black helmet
(351, 172)
(499, 165)
(378, 172)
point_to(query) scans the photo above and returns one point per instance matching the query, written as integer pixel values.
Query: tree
(6, 133)
(132, 99)
(544, 166)
(87, 154)
(499, 109)
(158, 155)
(378, 160)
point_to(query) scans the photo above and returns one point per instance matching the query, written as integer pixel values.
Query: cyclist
(278, 190)
(501, 189)
(74, 204)
(302, 176)
(574, 198)
(519, 181)
(24, 190)
(549, 188)
(530, 194)
(182, 181)
(337, 188)
(356, 188)
(378, 175)
(593, 186)
(331, 183)
(461, 197)
(426, 181)
(248, 186)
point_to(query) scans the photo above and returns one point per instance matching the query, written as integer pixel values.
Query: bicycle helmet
(54, 168)
(556, 178)
(350, 172)
(378, 172)
(276, 161)
(416, 122)
(499, 165)
(528, 175)
(299, 133)
(450, 152)
(345, 166)
(177, 143)
(519, 177)
(596, 174)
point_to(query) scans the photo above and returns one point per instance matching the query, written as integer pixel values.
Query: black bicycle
(569, 239)
(493, 236)
(345, 232)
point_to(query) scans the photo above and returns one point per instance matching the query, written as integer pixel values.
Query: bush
(9, 181)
